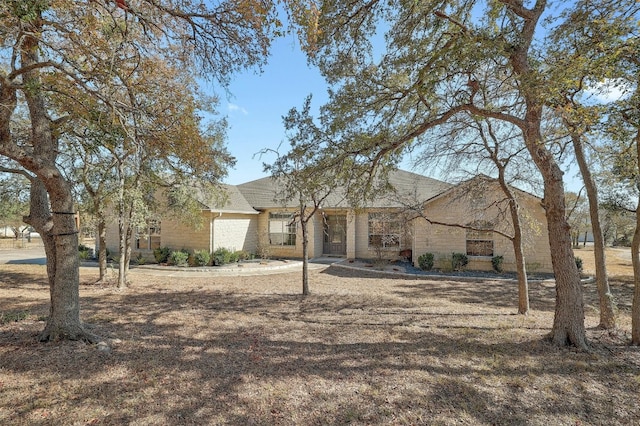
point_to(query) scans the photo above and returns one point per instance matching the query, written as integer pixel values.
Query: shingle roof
(229, 200)
(261, 193)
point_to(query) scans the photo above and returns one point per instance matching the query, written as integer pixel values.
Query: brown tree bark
(304, 222)
(568, 323)
(57, 225)
(102, 249)
(521, 266)
(607, 313)
(635, 260)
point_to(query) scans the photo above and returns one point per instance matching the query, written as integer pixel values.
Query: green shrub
(85, 252)
(425, 261)
(201, 257)
(161, 254)
(179, 258)
(140, 259)
(459, 261)
(222, 256)
(496, 262)
(579, 264)
(243, 255)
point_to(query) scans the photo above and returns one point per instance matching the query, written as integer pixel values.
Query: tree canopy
(431, 67)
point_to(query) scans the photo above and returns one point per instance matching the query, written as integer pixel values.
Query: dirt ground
(362, 349)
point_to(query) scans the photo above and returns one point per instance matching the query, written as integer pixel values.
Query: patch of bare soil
(362, 349)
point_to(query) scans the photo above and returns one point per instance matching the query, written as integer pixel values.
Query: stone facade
(244, 224)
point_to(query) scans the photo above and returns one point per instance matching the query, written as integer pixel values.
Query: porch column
(351, 235)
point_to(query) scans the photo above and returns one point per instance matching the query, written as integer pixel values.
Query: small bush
(459, 261)
(179, 258)
(579, 264)
(243, 255)
(140, 259)
(496, 262)
(85, 252)
(161, 254)
(425, 261)
(234, 257)
(201, 257)
(263, 251)
(222, 256)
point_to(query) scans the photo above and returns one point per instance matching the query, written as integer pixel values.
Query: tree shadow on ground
(210, 356)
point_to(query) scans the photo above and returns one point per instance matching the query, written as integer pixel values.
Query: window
(480, 240)
(148, 238)
(385, 230)
(282, 229)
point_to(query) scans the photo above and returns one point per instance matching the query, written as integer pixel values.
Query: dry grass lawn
(363, 349)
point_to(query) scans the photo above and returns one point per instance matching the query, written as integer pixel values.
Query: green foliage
(179, 258)
(243, 255)
(28, 10)
(85, 253)
(425, 261)
(17, 316)
(496, 262)
(161, 254)
(223, 256)
(201, 257)
(140, 259)
(459, 261)
(579, 264)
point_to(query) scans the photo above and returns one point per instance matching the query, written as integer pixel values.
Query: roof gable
(228, 200)
(261, 193)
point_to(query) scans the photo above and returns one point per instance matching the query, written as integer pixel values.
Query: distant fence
(20, 243)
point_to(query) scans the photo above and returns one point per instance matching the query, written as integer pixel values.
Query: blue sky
(257, 103)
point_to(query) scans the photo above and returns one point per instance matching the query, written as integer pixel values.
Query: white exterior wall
(235, 232)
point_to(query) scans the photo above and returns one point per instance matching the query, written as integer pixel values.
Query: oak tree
(51, 45)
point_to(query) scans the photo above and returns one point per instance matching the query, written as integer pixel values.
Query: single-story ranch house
(251, 220)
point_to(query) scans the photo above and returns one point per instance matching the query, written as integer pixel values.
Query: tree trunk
(521, 267)
(568, 322)
(123, 225)
(607, 313)
(635, 259)
(58, 225)
(102, 248)
(304, 222)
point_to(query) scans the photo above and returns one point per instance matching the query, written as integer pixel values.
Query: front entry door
(335, 235)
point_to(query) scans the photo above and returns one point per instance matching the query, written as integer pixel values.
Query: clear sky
(257, 103)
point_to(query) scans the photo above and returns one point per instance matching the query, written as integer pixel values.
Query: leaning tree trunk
(568, 322)
(607, 314)
(521, 267)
